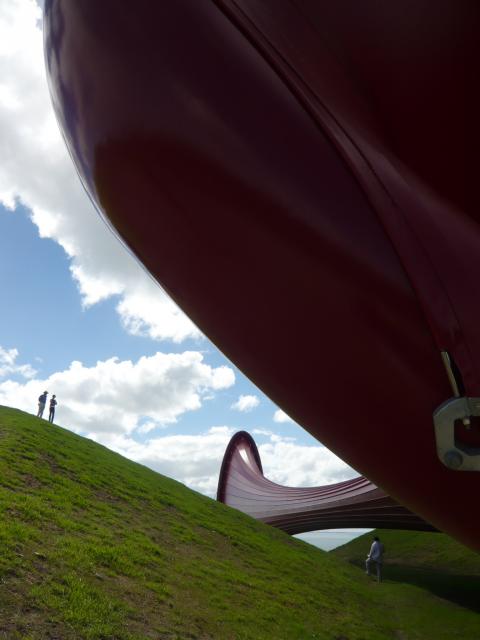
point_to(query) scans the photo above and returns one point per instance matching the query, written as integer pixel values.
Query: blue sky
(44, 319)
(82, 319)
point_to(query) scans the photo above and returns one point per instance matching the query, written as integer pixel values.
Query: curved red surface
(354, 503)
(300, 177)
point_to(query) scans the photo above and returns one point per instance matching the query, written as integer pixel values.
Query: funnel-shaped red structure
(354, 503)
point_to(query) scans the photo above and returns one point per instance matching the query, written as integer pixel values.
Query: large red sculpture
(353, 503)
(300, 177)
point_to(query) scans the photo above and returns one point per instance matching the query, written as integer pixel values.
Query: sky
(82, 319)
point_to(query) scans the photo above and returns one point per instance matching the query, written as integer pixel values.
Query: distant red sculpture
(301, 178)
(353, 503)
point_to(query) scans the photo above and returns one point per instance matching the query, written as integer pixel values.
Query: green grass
(431, 561)
(95, 547)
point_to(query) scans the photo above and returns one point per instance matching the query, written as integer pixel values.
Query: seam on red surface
(431, 295)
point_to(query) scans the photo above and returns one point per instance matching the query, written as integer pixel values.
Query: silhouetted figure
(375, 556)
(42, 401)
(53, 404)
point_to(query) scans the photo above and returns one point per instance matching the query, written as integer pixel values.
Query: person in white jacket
(375, 557)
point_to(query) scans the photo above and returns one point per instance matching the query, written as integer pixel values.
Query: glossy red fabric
(299, 176)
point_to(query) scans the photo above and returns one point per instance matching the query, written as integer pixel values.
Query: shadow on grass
(460, 589)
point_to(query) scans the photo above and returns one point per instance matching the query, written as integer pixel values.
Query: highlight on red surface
(355, 503)
(301, 178)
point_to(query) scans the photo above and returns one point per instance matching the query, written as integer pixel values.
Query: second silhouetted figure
(53, 404)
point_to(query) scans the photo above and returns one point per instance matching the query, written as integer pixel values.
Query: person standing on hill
(375, 556)
(42, 401)
(53, 404)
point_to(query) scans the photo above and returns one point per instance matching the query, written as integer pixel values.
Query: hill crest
(96, 547)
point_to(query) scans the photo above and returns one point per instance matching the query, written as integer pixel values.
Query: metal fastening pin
(453, 382)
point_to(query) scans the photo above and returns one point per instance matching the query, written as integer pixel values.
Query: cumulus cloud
(144, 312)
(35, 169)
(122, 405)
(9, 366)
(281, 416)
(246, 403)
(195, 460)
(288, 463)
(119, 397)
(262, 432)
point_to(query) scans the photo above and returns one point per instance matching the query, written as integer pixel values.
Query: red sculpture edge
(349, 504)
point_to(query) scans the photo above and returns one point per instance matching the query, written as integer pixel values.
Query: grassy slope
(93, 546)
(416, 549)
(432, 561)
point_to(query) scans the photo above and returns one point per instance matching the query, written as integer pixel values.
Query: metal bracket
(456, 456)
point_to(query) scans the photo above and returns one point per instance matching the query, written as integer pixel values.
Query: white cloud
(262, 432)
(117, 403)
(196, 459)
(281, 416)
(144, 312)
(117, 397)
(288, 463)
(36, 170)
(9, 366)
(147, 426)
(246, 403)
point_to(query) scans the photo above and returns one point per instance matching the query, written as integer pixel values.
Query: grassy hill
(95, 547)
(432, 561)
(416, 549)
